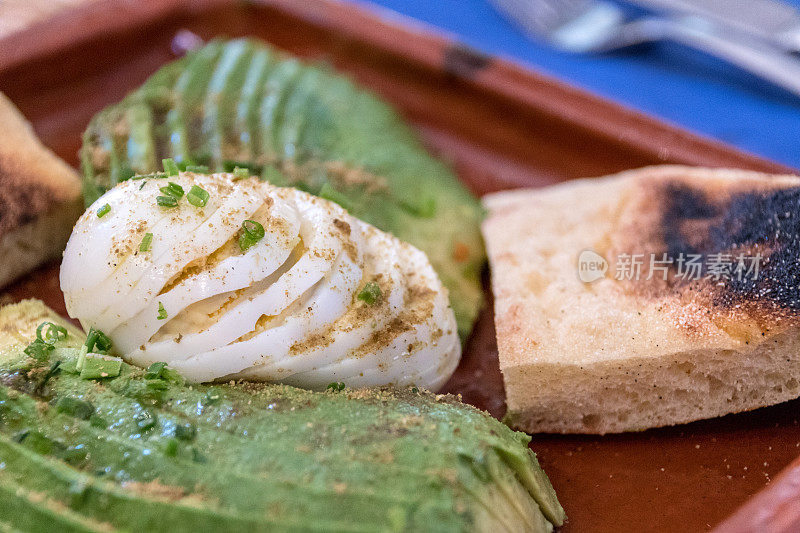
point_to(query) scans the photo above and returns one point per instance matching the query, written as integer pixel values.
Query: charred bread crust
(619, 355)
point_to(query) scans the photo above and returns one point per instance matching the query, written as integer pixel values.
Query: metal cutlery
(586, 26)
(773, 21)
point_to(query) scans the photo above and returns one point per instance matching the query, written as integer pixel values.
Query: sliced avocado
(244, 139)
(154, 454)
(301, 125)
(222, 96)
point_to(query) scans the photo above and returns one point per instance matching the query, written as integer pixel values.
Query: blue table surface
(681, 86)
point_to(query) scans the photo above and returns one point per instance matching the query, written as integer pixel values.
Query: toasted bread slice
(39, 197)
(588, 345)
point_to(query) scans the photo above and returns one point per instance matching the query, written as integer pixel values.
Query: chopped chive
(97, 341)
(39, 350)
(103, 211)
(198, 169)
(197, 196)
(240, 173)
(97, 366)
(162, 313)
(252, 232)
(172, 189)
(52, 332)
(144, 182)
(81, 358)
(335, 386)
(170, 167)
(155, 175)
(371, 293)
(144, 246)
(155, 370)
(167, 201)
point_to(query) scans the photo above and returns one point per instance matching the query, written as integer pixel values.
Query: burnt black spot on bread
(758, 223)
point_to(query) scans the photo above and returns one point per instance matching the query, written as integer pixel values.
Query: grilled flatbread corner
(605, 321)
(39, 197)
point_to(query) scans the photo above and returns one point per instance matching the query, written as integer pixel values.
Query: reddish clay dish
(501, 127)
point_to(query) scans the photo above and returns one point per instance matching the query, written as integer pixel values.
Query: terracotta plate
(501, 126)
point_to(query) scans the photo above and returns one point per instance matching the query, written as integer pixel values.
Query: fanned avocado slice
(142, 451)
(240, 103)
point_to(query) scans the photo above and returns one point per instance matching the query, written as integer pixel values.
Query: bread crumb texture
(624, 352)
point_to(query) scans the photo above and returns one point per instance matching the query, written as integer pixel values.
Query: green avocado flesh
(241, 103)
(143, 452)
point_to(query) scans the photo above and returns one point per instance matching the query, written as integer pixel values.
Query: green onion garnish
(103, 211)
(240, 173)
(162, 313)
(39, 350)
(172, 189)
(252, 232)
(145, 244)
(170, 167)
(47, 334)
(167, 201)
(155, 370)
(155, 175)
(97, 342)
(197, 196)
(96, 366)
(371, 293)
(335, 386)
(52, 332)
(198, 169)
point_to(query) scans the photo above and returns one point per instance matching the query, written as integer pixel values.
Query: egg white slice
(232, 273)
(434, 356)
(323, 304)
(351, 330)
(87, 262)
(405, 359)
(178, 241)
(168, 226)
(242, 310)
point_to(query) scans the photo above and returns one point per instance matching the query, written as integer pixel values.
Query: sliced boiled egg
(258, 282)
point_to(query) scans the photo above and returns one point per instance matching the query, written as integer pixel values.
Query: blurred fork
(587, 26)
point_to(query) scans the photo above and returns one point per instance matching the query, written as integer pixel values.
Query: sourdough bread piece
(625, 354)
(39, 197)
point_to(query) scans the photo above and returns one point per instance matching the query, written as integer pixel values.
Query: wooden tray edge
(772, 509)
